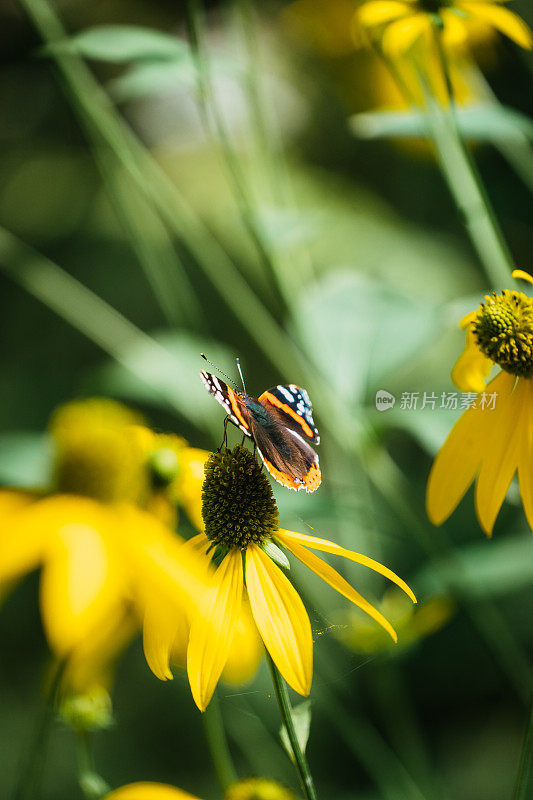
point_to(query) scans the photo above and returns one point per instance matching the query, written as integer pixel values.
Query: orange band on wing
(235, 406)
(288, 410)
(313, 479)
(281, 477)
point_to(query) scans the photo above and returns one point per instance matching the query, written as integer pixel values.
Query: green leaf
(122, 43)
(301, 718)
(150, 77)
(365, 329)
(277, 555)
(485, 122)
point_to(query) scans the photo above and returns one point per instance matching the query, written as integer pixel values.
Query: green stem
(521, 785)
(463, 179)
(284, 704)
(91, 783)
(213, 118)
(102, 122)
(30, 779)
(218, 744)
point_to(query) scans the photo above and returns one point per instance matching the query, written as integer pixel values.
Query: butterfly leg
(225, 437)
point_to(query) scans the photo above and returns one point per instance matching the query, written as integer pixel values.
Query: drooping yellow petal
(400, 35)
(379, 12)
(213, 627)
(160, 626)
(26, 535)
(520, 273)
(331, 576)
(281, 619)
(82, 584)
(501, 458)
(246, 650)
(459, 458)
(472, 368)
(455, 31)
(504, 20)
(149, 791)
(187, 489)
(157, 559)
(525, 463)
(290, 537)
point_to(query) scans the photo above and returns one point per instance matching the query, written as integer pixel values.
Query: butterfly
(280, 422)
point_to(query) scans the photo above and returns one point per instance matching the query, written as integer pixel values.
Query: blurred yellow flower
(412, 623)
(241, 523)
(401, 23)
(101, 554)
(493, 439)
(258, 789)
(166, 636)
(149, 791)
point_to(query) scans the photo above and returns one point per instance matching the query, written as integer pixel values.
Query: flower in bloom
(248, 789)
(149, 791)
(100, 551)
(241, 527)
(401, 23)
(493, 439)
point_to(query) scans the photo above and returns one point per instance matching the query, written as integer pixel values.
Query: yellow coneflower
(149, 791)
(401, 23)
(241, 528)
(247, 789)
(493, 439)
(100, 551)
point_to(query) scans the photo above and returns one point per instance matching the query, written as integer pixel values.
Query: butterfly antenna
(240, 373)
(219, 370)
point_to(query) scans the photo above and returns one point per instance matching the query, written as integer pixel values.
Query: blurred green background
(348, 276)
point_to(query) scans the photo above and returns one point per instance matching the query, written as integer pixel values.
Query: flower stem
(463, 179)
(521, 785)
(284, 704)
(218, 744)
(29, 782)
(92, 785)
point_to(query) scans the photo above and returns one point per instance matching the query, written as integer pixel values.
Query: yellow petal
(380, 12)
(149, 791)
(504, 20)
(26, 535)
(455, 31)
(246, 650)
(331, 576)
(157, 560)
(525, 463)
(91, 664)
(472, 368)
(281, 619)
(213, 627)
(159, 632)
(459, 458)
(290, 537)
(501, 458)
(520, 273)
(400, 35)
(188, 486)
(82, 584)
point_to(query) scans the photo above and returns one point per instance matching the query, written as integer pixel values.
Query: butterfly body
(280, 422)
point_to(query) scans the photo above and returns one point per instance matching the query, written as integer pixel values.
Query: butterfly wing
(285, 453)
(229, 400)
(295, 405)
